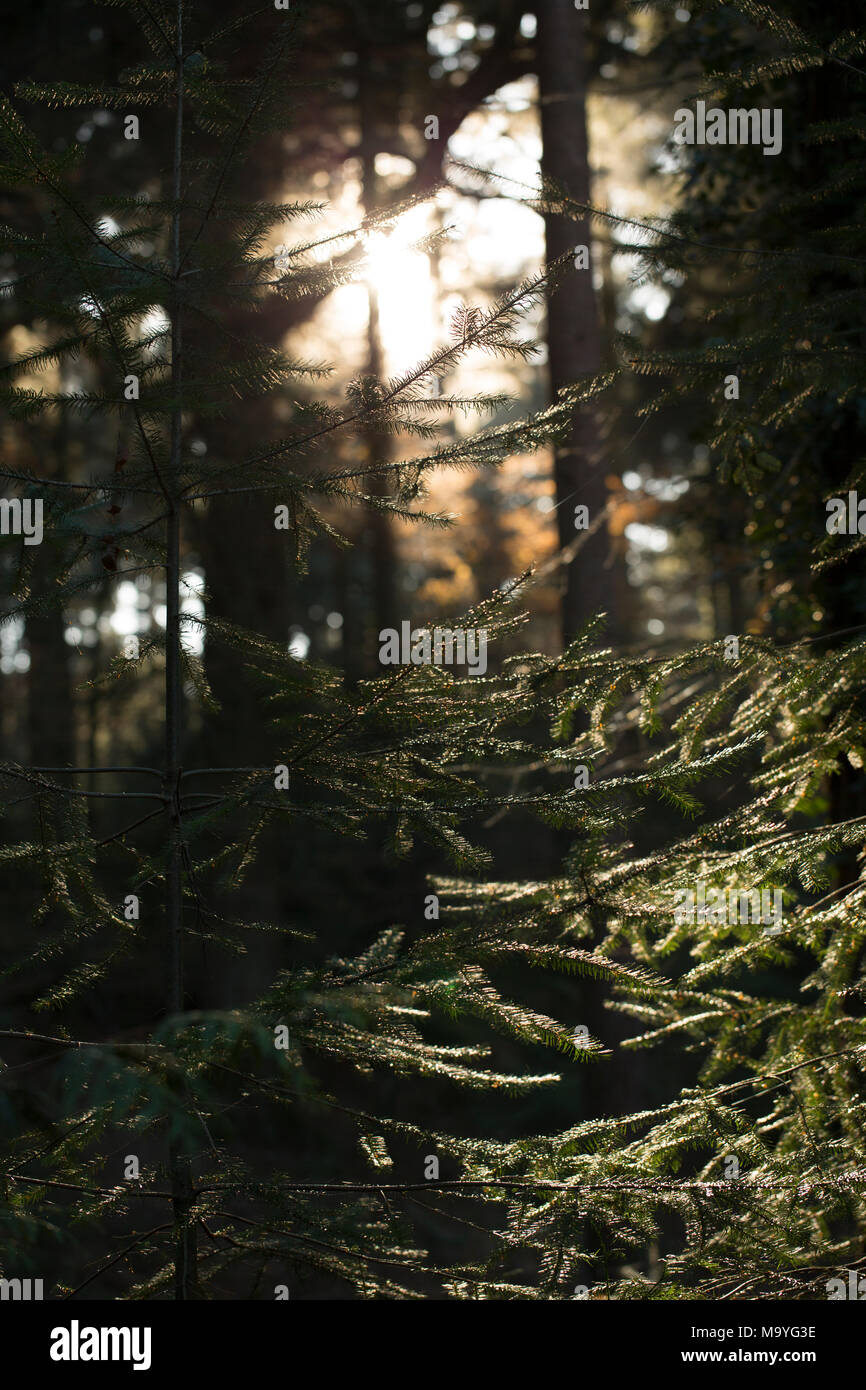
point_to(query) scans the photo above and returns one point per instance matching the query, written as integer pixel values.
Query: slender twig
(118, 835)
(154, 772)
(584, 209)
(23, 776)
(80, 1042)
(166, 1226)
(89, 1191)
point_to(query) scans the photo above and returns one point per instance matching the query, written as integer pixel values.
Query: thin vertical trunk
(574, 347)
(735, 566)
(240, 593)
(382, 550)
(351, 602)
(50, 705)
(179, 1163)
(574, 339)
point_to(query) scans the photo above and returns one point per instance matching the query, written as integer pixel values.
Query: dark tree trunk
(574, 346)
(245, 560)
(180, 1163)
(379, 531)
(50, 712)
(574, 339)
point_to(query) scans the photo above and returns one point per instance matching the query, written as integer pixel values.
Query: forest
(430, 475)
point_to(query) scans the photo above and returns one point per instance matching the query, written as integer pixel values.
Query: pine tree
(749, 1182)
(135, 292)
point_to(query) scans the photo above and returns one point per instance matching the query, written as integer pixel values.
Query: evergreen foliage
(652, 1203)
(752, 753)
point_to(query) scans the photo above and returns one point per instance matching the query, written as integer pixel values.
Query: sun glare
(402, 278)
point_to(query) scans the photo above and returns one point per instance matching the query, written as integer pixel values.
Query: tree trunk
(50, 709)
(574, 346)
(573, 334)
(180, 1166)
(379, 530)
(245, 562)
